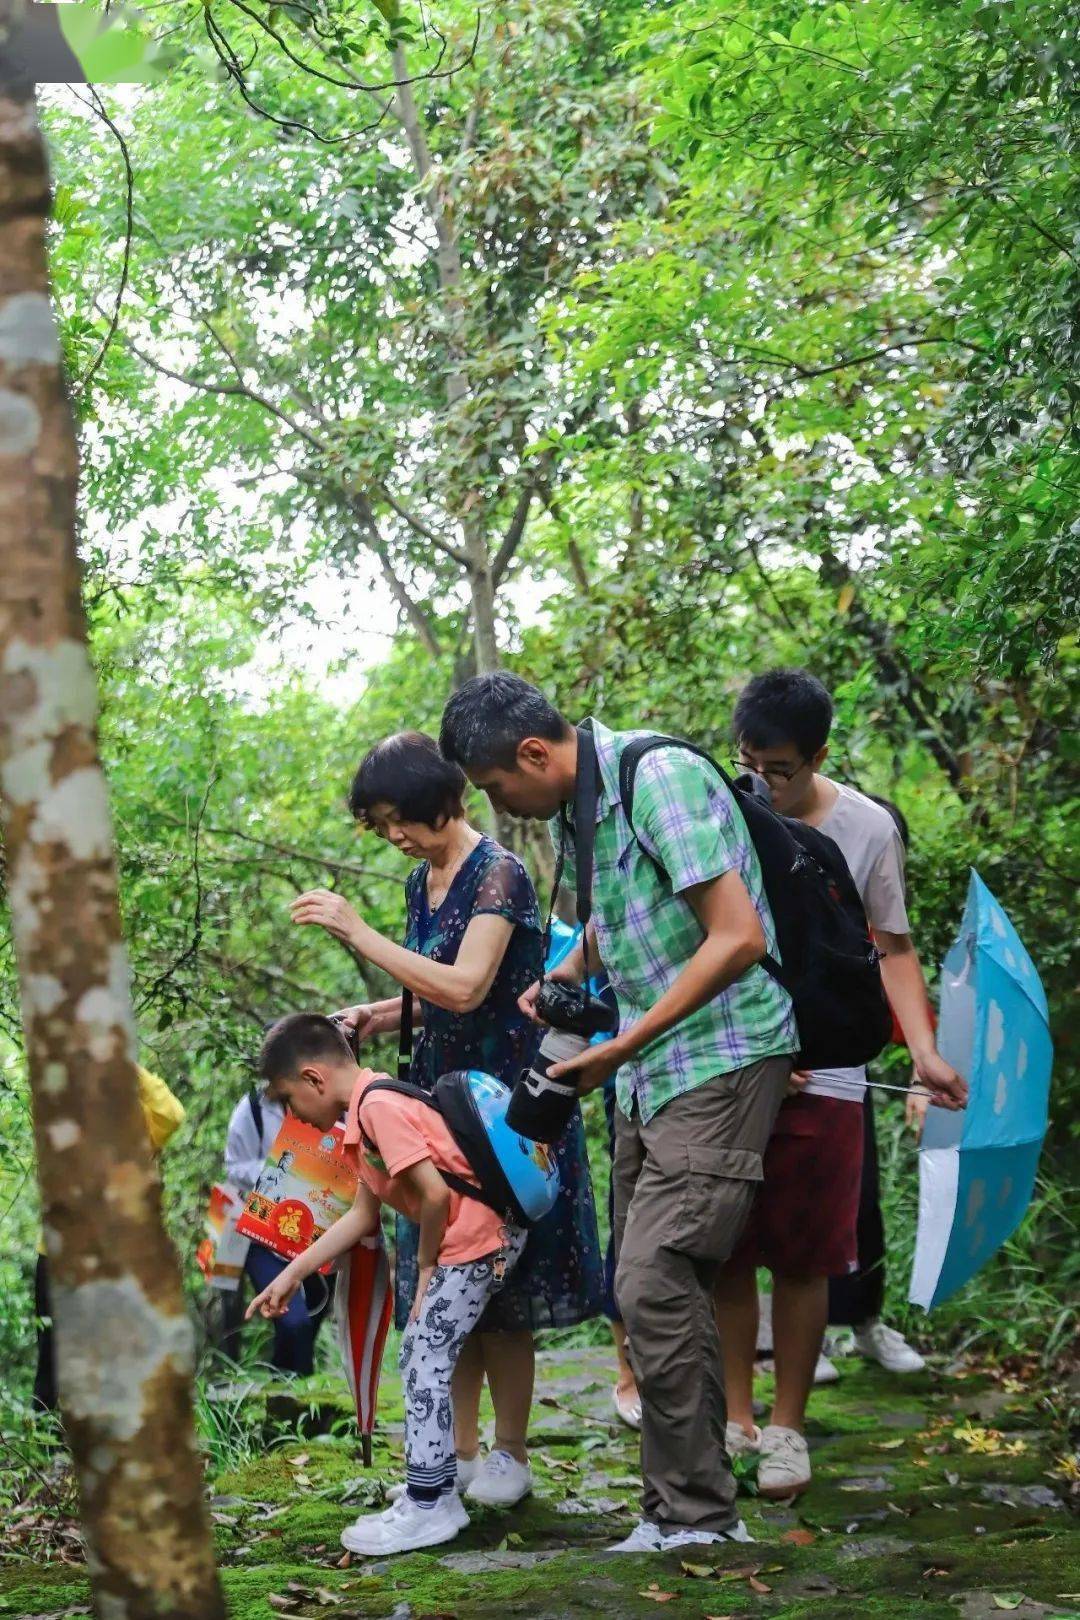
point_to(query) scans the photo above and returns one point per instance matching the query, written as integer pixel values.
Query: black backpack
(830, 965)
(452, 1098)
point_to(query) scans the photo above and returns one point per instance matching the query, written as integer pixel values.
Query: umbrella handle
(365, 1449)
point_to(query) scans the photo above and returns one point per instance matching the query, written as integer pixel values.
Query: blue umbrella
(977, 1168)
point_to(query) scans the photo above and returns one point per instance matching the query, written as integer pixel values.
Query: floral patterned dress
(559, 1280)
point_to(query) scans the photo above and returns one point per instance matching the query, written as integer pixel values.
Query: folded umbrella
(362, 1309)
(977, 1167)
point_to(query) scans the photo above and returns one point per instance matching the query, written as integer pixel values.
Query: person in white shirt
(804, 1224)
(255, 1122)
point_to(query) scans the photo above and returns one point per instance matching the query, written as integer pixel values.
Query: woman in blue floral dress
(473, 944)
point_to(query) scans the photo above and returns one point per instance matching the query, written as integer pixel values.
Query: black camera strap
(587, 788)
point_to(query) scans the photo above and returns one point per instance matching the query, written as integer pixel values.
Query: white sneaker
(643, 1538)
(501, 1481)
(701, 1538)
(784, 1469)
(825, 1372)
(403, 1527)
(467, 1470)
(628, 1407)
(888, 1348)
(452, 1500)
(741, 1444)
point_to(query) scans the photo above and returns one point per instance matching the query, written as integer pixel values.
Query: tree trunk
(484, 618)
(125, 1343)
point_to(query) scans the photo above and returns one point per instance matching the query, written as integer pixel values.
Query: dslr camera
(540, 1108)
(567, 1007)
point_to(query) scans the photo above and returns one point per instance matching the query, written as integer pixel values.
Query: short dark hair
(781, 706)
(487, 719)
(899, 818)
(408, 771)
(300, 1038)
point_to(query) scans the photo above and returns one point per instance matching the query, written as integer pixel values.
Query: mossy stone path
(933, 1496)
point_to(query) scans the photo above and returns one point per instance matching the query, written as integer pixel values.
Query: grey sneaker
(703, 1538)
(741, 1444)
(643, 1538)
(784, 1469)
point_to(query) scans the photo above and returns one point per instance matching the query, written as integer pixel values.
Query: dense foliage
(762, 347)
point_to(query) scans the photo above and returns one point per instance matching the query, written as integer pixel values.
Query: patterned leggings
(430, 1346)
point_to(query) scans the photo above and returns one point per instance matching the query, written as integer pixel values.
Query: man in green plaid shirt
(703, 1056)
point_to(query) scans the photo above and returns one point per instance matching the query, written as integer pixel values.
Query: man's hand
(797, 1082)
(274, 1301)
(916, 1103)
(423, 1278)
(325, 909)
(947, 1088)
(527, 1002)
(590, 1068)
(363, 1019)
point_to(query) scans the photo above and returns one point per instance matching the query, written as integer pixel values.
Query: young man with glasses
(803, 1228)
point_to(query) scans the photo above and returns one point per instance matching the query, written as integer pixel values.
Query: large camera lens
(540, 1108)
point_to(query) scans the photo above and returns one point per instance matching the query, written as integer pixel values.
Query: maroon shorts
(803, 1220)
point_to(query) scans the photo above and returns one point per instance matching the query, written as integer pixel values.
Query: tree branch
(514, 534)
(98, 105)
(421, 528)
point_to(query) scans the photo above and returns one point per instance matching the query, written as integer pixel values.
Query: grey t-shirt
(870, 843)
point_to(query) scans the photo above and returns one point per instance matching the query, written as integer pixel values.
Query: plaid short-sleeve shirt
(687, 819)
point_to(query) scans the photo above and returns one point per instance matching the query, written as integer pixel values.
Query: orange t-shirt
(404, 1132)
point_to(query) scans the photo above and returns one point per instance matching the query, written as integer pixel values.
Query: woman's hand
(423, 1278)
(797, 1082)
(333, 912)
(364, 1020)
(274, 1301)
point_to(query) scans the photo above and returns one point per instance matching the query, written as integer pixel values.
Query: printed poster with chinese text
(305, 1186)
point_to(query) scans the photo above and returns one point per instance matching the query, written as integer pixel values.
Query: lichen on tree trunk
(125, 1343)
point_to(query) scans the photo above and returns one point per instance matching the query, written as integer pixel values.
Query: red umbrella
(363, 1306)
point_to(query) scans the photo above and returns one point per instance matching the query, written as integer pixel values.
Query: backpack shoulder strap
(629, 760)
(256, 1111)
(406, 1088)
(632, 756)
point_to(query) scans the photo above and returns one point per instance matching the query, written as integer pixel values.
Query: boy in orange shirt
(401, 1149)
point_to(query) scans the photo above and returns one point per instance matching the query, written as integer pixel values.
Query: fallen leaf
(298, 1462)
(952, 1479)
(344, 1562)
(514, 1540)
(302, 1479)
(549, 1400)
(887, 1445)
(324, 1596)
(277, 1601)
(757, 1586)
(943, 1574)
(799, 1538)
(1008, 1600)
(655, 1595)
(698, 1572)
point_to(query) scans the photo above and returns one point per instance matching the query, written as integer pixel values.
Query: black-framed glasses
(774, 773)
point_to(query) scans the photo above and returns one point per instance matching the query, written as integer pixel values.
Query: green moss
(930, 1516)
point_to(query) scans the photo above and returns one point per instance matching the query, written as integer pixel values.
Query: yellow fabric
(163, 1113)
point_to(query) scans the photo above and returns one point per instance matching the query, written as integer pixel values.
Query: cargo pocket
(721, 1184)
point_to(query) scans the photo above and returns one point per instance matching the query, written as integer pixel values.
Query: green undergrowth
(935, 1496)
